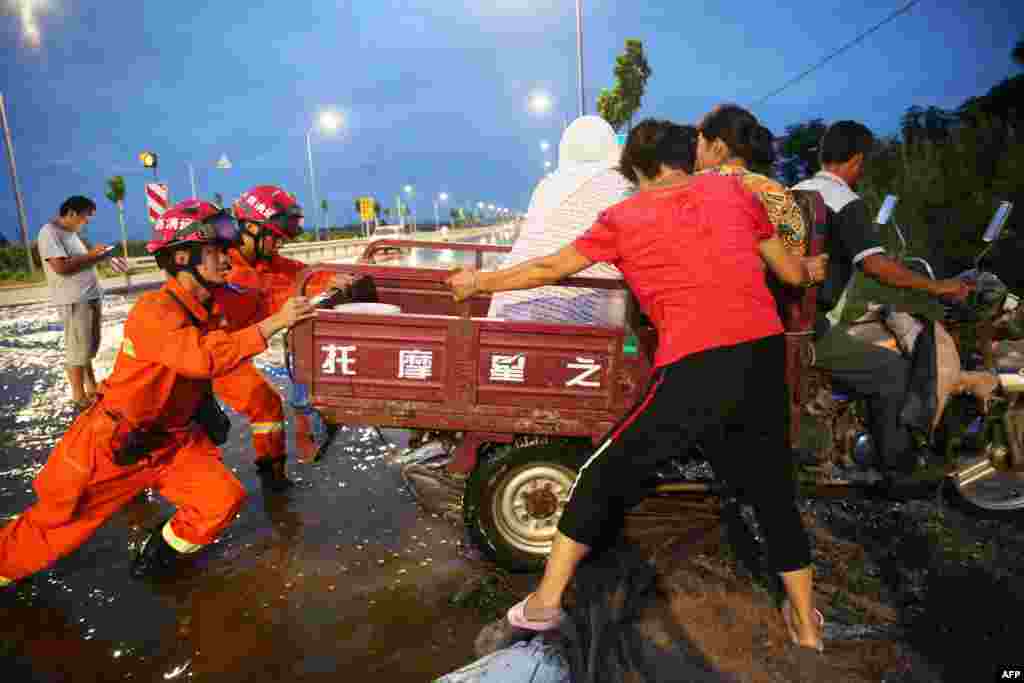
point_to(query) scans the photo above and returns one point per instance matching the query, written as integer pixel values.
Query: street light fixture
(411, 191)
(327, 121)
(540, 102)
(443, 197)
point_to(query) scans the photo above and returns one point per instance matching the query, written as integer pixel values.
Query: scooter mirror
(998, 221)
(885, 212)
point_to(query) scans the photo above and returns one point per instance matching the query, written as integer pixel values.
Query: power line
(844, 48)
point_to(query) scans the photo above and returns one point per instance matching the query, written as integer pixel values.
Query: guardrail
(137, 279)
(334, 249)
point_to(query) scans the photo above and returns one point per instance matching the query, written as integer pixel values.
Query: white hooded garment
(563, 206)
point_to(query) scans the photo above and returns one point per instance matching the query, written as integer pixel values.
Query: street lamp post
(192, 179)
(14, 183)
(579, 53)
(443, 197)
(411, 191)
(312, 177)
(328, 121)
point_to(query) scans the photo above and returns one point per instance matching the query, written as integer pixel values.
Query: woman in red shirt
(693, 250)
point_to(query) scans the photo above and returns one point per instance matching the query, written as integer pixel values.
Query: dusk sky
(434, 91)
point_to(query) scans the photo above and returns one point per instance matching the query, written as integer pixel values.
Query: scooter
(975, 440)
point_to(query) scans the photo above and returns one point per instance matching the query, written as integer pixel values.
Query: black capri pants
(733, 401)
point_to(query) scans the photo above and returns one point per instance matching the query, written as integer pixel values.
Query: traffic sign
(157, 200)
(366, 211)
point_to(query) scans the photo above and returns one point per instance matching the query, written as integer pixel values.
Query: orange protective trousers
(249, 393)
(80, 487)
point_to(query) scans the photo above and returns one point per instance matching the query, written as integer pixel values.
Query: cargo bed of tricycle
(445, 366)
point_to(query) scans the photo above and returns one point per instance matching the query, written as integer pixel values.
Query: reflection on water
(435, 257)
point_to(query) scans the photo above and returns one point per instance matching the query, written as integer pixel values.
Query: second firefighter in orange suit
(146, 428)
(260, 281)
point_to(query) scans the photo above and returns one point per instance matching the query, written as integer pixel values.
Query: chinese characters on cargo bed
(419, 364)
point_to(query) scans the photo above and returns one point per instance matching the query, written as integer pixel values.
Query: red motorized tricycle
(520, 404)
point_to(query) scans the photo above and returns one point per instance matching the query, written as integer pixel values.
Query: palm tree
(115, 193)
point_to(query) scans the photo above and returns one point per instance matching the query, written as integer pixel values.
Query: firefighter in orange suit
(148, 428)
(260, 281)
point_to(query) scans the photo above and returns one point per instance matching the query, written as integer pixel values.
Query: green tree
(799, 157)
(611, 108)
(948, 191)
(931, 124)
(1002, 101)
(115, 193)
(621, 103)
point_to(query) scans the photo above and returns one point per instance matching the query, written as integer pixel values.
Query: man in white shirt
(75, 290)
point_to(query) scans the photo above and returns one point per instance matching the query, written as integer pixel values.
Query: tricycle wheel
(514, 499)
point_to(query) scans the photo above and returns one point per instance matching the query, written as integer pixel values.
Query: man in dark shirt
(853, 241)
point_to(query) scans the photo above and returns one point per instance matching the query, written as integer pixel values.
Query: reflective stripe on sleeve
(266, 427)
(177, 542)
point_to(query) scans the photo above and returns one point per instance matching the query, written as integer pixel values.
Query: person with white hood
(564, 204)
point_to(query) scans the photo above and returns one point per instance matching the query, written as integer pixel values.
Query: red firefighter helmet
(271, 207)
(192, 221)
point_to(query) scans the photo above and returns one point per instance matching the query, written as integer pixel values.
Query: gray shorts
(81, 331)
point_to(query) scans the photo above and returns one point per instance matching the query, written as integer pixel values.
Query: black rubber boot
(155, 557)
(330, 432)
(273, 476)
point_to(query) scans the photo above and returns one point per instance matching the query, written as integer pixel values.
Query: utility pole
(22, 220)
(579, 54)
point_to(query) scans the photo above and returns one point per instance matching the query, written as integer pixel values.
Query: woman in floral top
(730, 141)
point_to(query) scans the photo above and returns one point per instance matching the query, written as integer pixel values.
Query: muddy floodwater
(343, 574)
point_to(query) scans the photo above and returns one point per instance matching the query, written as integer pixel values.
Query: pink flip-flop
(517, 617)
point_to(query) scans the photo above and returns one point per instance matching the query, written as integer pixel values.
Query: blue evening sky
(434, 91)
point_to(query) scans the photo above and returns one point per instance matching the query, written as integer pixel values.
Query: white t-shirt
(55, 242)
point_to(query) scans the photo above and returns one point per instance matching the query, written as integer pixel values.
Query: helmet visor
(288, 223)
(220, 227)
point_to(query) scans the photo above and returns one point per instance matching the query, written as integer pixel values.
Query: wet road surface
(343, 575)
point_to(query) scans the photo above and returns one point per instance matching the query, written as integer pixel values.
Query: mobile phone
(998, 221)
(885, 212)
